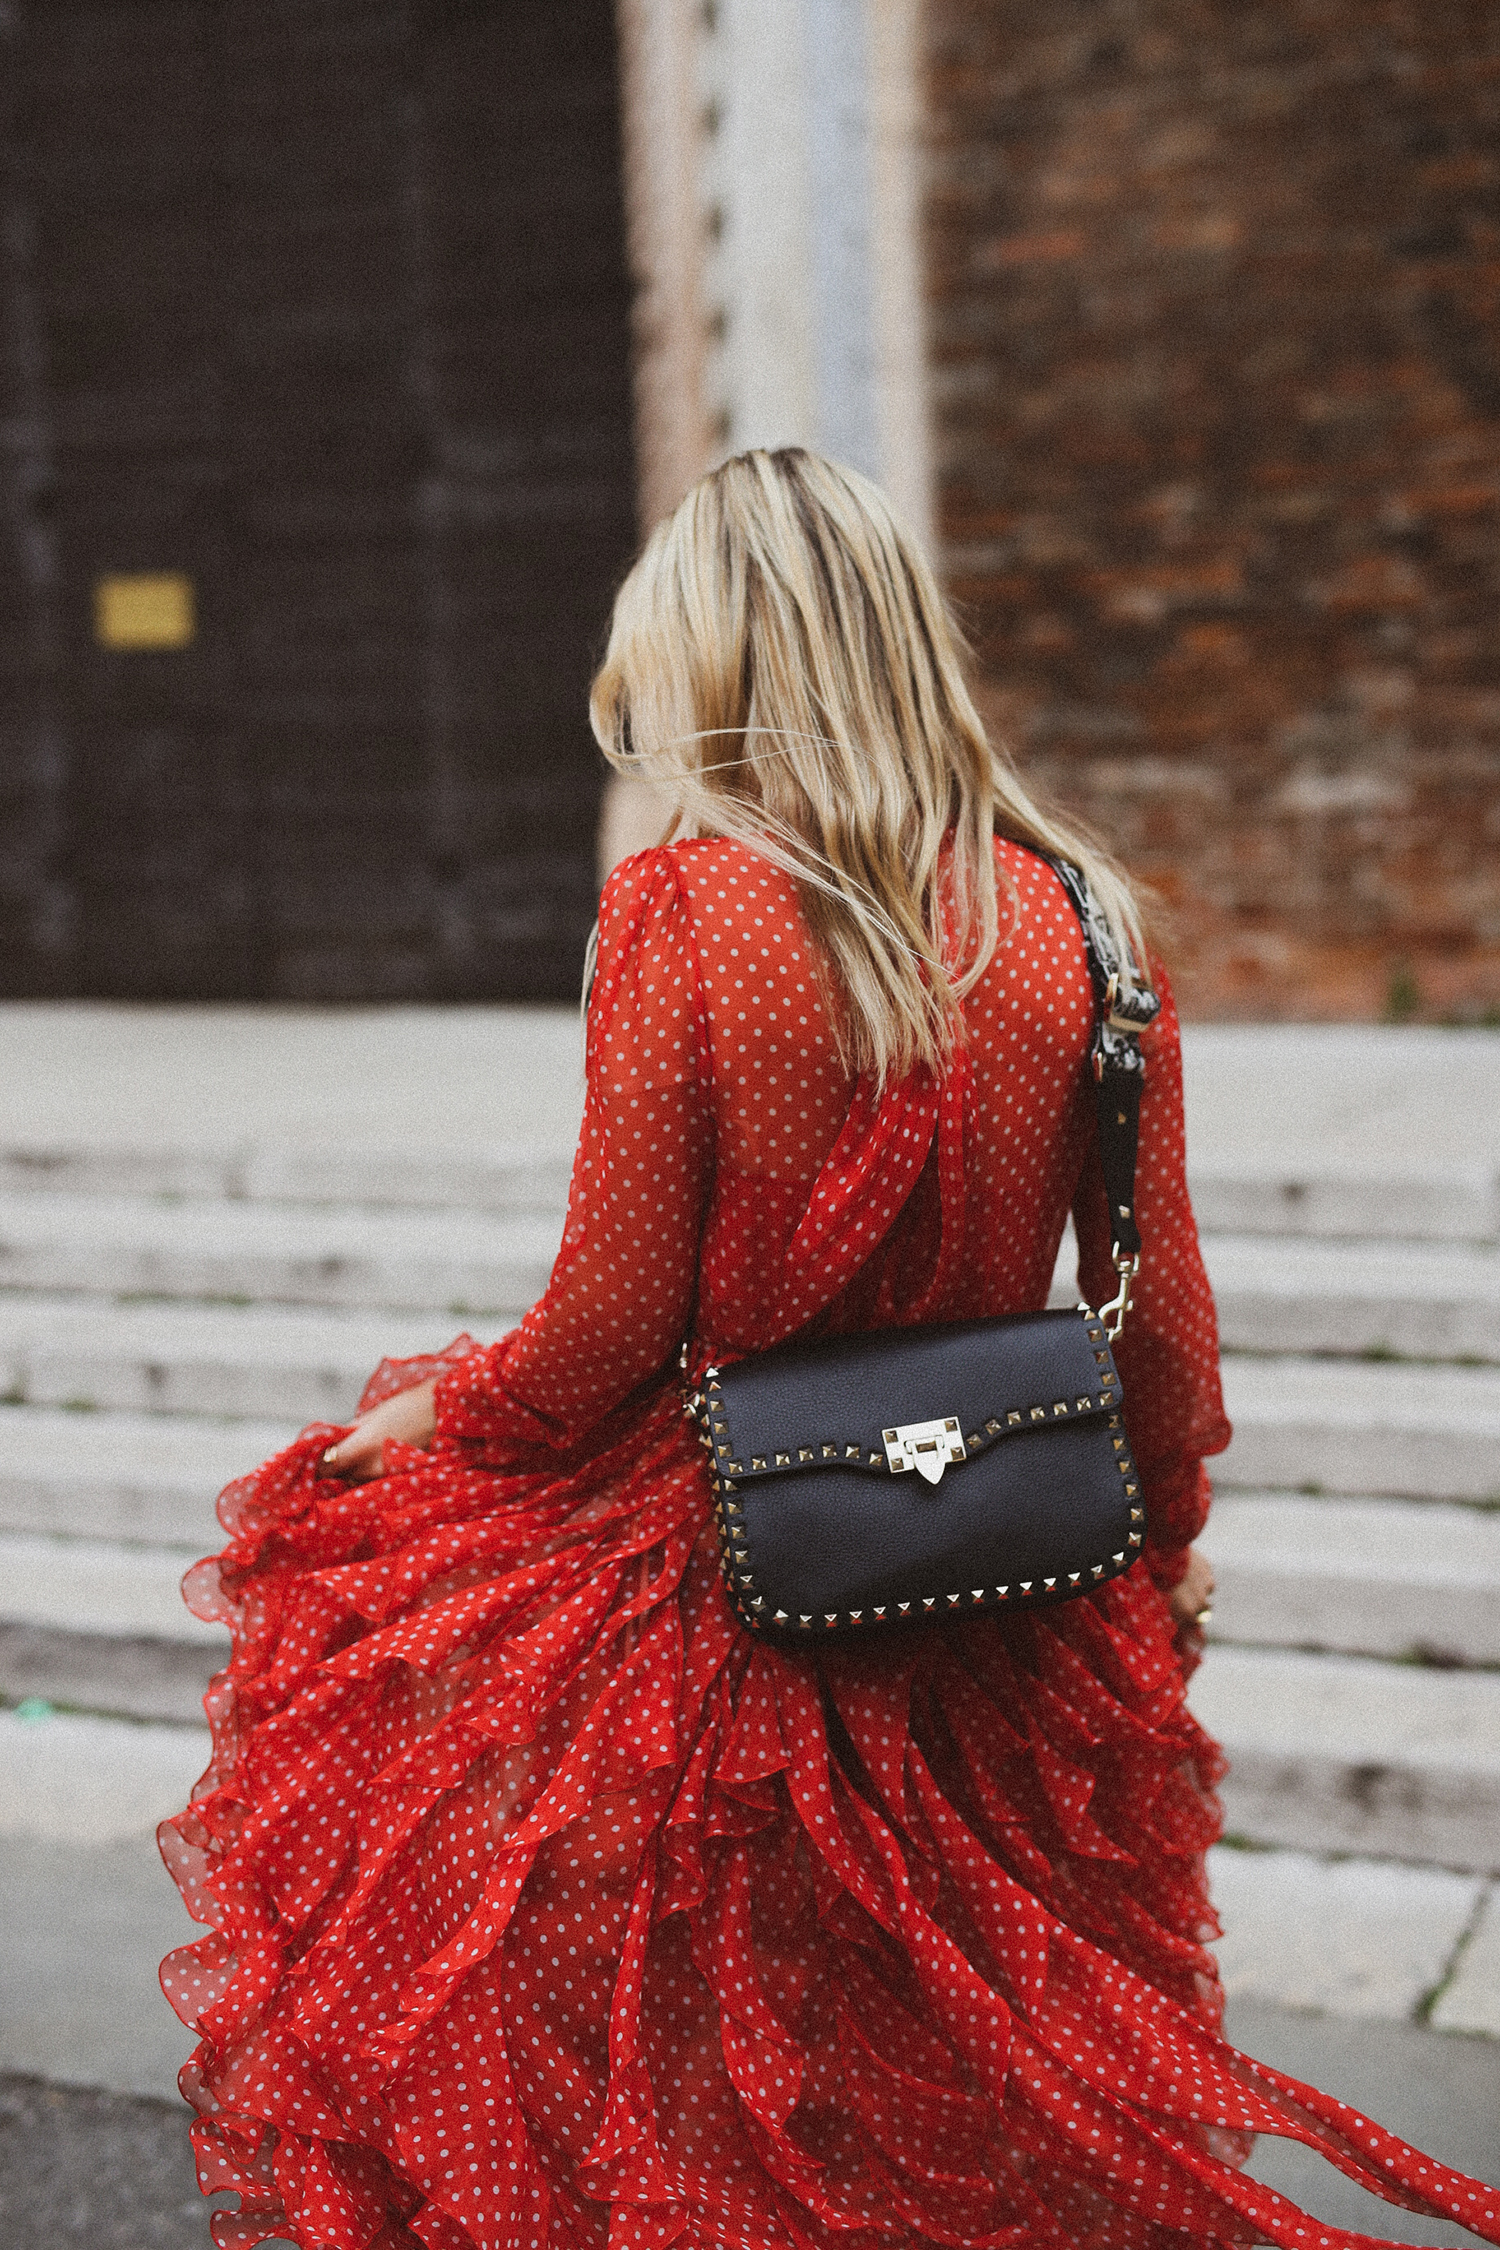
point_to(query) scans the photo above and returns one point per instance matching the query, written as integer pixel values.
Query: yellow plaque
(144, 609)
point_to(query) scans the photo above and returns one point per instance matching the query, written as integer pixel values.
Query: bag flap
(837, 1402)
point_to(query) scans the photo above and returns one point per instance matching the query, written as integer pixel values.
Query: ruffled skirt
(547, 1908)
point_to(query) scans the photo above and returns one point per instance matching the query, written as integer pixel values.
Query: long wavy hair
(782, 663)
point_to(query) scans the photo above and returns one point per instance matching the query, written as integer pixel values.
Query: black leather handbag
(895, 1477)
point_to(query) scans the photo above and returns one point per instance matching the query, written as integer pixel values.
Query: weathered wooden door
(315, 481)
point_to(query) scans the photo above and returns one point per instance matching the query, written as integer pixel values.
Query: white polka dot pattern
(544, 1907)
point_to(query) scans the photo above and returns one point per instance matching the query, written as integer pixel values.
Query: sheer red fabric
(548, 1908)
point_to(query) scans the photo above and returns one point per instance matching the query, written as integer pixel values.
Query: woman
(550, 1907)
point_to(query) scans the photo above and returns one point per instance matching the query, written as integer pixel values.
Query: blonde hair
(782, 661)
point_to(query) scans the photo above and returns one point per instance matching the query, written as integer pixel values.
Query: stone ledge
(315, 1255)
(1341, 1753)
(1411, 1431)
(132, 1678)
(1354, 1938)
(1471, 2001)
(134, 1479)
(268, 1362)
(1388, 1578)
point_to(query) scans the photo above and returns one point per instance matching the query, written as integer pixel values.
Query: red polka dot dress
(545, 1906)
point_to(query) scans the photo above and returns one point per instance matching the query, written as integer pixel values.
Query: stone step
(1361, 1199)
(1346, 1426)
(1471, 1999)
(218, 1079)
(1342, 1299)
(506, 1178)
(1293, 1193)
(1288, 1198)
(1341, 1753)
(1357, 1938)
(93, 1586)
(1411, 1301)
(127, 1477)
(1317, 1106)
(262, 1361)
(1418, 1432)
(86, 1926)
(1365, 1577)
(343, 1255)
(1424, 1303)
(120, 1676)
(1379, 1577)
(74, 1778)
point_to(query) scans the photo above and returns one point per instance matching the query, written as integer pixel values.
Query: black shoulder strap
(1119, 1066)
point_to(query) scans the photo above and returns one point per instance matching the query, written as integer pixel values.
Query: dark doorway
(320, 308)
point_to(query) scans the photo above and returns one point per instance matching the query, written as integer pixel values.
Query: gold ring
(327, 1457)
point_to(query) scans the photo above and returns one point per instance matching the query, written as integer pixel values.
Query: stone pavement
(214, 1221)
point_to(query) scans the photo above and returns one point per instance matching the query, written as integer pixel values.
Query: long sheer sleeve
(1168, 1356)
(621, 1292)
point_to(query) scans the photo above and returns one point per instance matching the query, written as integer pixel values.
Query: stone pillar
(813, 270)
(663, 137)
(772, 174)
(897, 109)
(663, 132)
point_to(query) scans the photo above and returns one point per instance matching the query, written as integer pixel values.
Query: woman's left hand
(410, 1418)
(1191, 1599)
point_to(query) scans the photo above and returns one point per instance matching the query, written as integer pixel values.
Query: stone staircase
(152, 1346)
(170, 1313)
(1354, 1676)
(1356, 1673)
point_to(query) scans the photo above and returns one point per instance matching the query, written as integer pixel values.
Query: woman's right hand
(410, 1418)
(1191, 1599)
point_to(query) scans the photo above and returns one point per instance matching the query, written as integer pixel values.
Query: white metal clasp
(927, 1447)
(1113, 1314)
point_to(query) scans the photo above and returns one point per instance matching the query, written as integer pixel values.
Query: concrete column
(664, 135)
(773, 187)
(841, 169)
(897, 78)
(663, 138)
(813, 271)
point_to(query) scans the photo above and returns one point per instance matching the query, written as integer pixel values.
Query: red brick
(1215, 309)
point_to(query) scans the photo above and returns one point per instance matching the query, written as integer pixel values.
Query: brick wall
(1216, 331)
